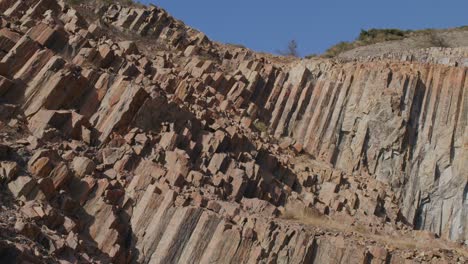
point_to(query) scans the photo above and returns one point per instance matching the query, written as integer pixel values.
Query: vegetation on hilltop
(291, 50)
(373, 36)
(365, 38)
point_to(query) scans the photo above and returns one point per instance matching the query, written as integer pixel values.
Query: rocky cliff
(129, 137)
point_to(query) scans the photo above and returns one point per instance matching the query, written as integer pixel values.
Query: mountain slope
(129, 137)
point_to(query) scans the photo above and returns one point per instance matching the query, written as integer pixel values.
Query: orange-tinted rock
(181, 165)
(8, 39)
(41, 167)
(46, 36)
(60, 175)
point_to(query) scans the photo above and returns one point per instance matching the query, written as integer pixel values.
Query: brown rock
(328, 192)
(239, 184)
(95, 30)
(60, 175)
(68, 122)
(255, 205)
(218, 162)
(382, 138)
(48, 37)
(190, 51)
(69, 225)
(5, 85)
(8, 39)
(29, 230)
(214, 206)
(129, 47)
(199, 200)
(106, 56)
(379, 254)
(22, 186)
(83, 166)
(8, 170)
(196, 178)
(168, 140)
(178, 161)
(41, 167)
(72, 240)
(46, 185)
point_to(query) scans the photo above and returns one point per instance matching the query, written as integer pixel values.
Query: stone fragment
(83, 166)
(41, 167)
(60, 175)
(218, 163)
(214, 206)
(256, 205)
(46, 185)
(95, 30)
(178, 161)
(168, 140)
(8, 38)
(239, 184)
(327, 192)
(8, 170)
(190, 51)
(28, 230)
(196, 178)
(5, 85)
(22, 186)
(46, 36)
(379, 254)
(129, 47)
(68, 122)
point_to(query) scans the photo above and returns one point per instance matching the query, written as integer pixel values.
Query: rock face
(403, 124)
(175, 149)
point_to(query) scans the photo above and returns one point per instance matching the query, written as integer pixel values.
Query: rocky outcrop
(401, 123)
(176, 149)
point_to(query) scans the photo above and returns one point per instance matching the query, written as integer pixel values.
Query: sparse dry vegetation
(313, 55)
(260, 126)
(373, 36)
(310, 216)
(367, 37)
(291, 50)
(437, 40)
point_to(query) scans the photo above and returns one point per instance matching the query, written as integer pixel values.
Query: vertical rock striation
(177, 149)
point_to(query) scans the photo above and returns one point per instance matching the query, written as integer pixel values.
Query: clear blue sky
(268, 25)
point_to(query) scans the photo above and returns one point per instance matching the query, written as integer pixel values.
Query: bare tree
(291, 50)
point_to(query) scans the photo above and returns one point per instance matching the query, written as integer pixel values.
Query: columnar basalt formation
(404, 124)
(177, 149)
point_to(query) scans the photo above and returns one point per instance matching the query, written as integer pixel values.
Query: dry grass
(311, 217)
(373, 36)
(260, 126)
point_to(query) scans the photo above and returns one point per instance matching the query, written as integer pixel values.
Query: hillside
(386, 41)
(130, 137)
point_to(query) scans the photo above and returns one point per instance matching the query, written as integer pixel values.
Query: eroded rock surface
(128, 137)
